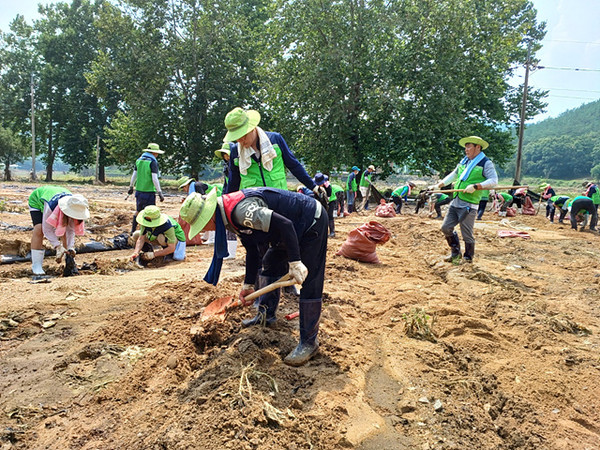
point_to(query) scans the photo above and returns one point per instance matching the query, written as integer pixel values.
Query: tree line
(356, 82)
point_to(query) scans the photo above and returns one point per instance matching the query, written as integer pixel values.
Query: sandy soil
(106, 359)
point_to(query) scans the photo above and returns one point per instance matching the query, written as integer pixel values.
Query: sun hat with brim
(154, 148)
(74, 206)
(151, 217)
(319, 178)
(355, 168)
(223, 150)
(474, 140)
(239, 123)
(197, 210)
(184, 181)
(371, 167)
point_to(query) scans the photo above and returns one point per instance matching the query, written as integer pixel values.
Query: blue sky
(572, 42)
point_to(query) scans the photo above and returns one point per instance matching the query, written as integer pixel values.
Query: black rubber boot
(454, 244)
(133, 225)
(267, 306)
(331, 228)
(469, 252)
(310, 313)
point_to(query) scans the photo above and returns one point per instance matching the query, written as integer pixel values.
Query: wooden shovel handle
(284, 281)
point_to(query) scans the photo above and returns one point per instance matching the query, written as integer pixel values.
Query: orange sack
(361, 242)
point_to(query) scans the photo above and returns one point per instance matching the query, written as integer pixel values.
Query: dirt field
(105, 359)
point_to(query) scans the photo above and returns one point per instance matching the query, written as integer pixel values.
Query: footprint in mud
(383, 393)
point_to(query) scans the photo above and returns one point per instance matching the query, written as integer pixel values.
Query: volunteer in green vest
(58, 216)
(161, 229)
(259, 158)
(323, 180)
(591, 191)
(400, 195)
(436, 201)
(504, 200)
(351, 188)
(560, 202)
(338, 197)
(582, 205)
(473, 174)
(365, 185)
(145, 180)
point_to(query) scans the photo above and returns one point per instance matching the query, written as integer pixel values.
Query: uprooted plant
(419, 325)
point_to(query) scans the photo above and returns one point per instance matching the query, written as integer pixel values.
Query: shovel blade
(216, 309)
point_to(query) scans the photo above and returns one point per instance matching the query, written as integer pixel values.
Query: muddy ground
(106, 359)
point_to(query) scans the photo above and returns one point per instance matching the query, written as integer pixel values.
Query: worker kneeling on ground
(161, 229)
(295, 228)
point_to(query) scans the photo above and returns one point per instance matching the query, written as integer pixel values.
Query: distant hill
(564, 147)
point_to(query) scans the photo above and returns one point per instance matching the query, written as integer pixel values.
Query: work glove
(298, 271)
(161, 196)
(321, 195)
(147, 256)
(60, 251)
(247, 289)
(130, 191)
(436, 186)
(470, 189)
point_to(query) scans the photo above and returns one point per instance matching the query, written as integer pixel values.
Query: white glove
(470, 189)
(434, 187)
(147, 256)
(60, 251)
(298, 271)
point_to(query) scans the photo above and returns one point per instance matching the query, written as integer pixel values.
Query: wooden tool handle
(284, 281)
(495, 188)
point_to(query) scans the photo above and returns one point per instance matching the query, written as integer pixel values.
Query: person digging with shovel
(295, 228)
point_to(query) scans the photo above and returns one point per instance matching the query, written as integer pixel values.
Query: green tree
(180, 66)
(12, 150)
(395, 83)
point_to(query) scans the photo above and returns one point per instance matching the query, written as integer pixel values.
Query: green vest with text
(476, 176)
(276, 178)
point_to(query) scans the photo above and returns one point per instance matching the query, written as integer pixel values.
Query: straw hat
(239, 123)
(74, 206)
(224, 150)
(154, 148)
(197, 210)
(184, 181)
(474, 140)
(151, 217)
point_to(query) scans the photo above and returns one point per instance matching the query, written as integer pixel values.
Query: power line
(572, 42)
(568, 68)
(577, 98)
(565, 89)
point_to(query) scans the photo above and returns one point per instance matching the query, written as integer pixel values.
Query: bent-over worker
(294, 226)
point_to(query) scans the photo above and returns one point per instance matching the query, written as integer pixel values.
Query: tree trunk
(50, 158)
(7, 176)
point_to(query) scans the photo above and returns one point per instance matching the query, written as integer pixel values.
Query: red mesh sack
(511, 212)
(186, 229)
(361, 242)
(385, 210)
(528, 207)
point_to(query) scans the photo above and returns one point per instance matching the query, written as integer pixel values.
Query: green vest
(441, 198)
(365, 178)
(400, 191)
(143, 182)
(570, 201)
(219, 187)
(44, 194)
(334, 190)
(596, 197)
(507, 197)
(555, 200)
(178, 231)
(476, 176)
(276, 178)
(352, 186)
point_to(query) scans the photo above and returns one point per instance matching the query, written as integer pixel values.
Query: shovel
(218, 308)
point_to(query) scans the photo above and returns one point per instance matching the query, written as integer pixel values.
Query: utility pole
(522, 123)
(33, 175)
(97, 181)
